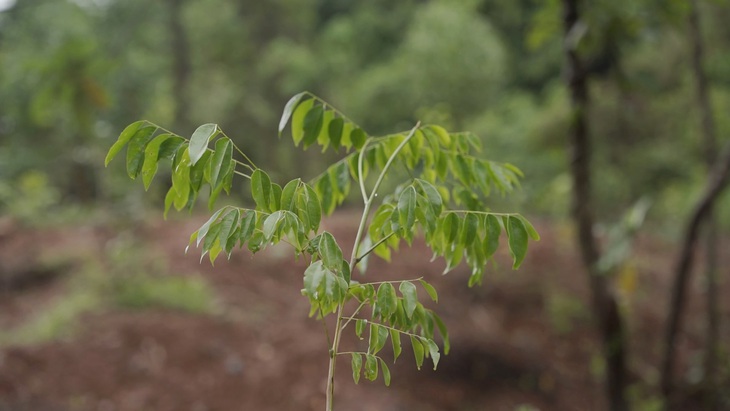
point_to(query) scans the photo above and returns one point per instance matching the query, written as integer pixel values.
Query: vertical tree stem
(605, 308)
(330, 392)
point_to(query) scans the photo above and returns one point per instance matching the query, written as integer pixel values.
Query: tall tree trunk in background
(709, 147)
(181, 65)
(605, 308)
(717, 182)
(709, 142)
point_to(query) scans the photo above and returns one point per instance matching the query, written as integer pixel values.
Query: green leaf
(324, 193)
(323, 138)
(517, 241)
(123, 139)
(275, 197)
(288, 109)
(297, 120)
(360, 327)
(197, 172)
(493, 232)
(432, 194)
(418, 351)
(151, 152)
(395, 340)
(358, 138)
(170, 147)
(211, 238)
(430, 290)
(450, 226)
(530, 229)
(313, 208)
(410, 297)
(407, 210)
(271, 226)
(371, 367)
(469, 229)
(313, 279)
(229, 222)
(433, 351)
(330, 252)
(136, 150)
(221, 162)
(335, 132)
(261, 189)
(356, 367)
(443, 331)
(312, 125)
(386, 300)
(365, 245)
(287, 195)
(248, 225)
(181, 181)
(443, 135)
(199, 141)
(203, 230)
(386, 373)
(378, 338)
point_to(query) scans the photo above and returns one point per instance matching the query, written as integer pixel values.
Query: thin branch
(370, 250)
(360, 174)
(717, 183)
(369, 203)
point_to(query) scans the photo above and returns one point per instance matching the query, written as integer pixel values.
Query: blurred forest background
(73, 73)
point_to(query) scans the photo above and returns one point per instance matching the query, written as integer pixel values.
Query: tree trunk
(181, 66)
(703, 209)
(605, 308)
(709, 145)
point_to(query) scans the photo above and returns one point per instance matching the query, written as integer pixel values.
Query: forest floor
(521, 341)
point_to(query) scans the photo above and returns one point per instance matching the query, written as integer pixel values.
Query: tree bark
(717, 183)
(605, 308)
(709, 146)
(181, 65)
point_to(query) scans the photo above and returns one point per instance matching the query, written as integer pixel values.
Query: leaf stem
(237, 149)
(242, 174)
(370, 250)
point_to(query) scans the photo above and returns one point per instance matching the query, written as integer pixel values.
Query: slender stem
(482, 212)
(370, 250)
(387, 326)
(330, 393)
(242, 174)
(238, 149)
(360, 174)
(357, 311)
(393, 281)
(374, 192)
(242, 164)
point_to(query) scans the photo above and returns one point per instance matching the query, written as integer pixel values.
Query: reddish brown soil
(262, 352)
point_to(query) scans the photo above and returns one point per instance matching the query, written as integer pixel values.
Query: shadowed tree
(605, 308)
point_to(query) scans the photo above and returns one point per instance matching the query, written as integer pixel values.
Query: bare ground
(260, 351)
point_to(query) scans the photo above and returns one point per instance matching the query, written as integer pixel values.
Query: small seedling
(440, 193)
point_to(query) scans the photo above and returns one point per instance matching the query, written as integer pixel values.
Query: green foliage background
(74, 73)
